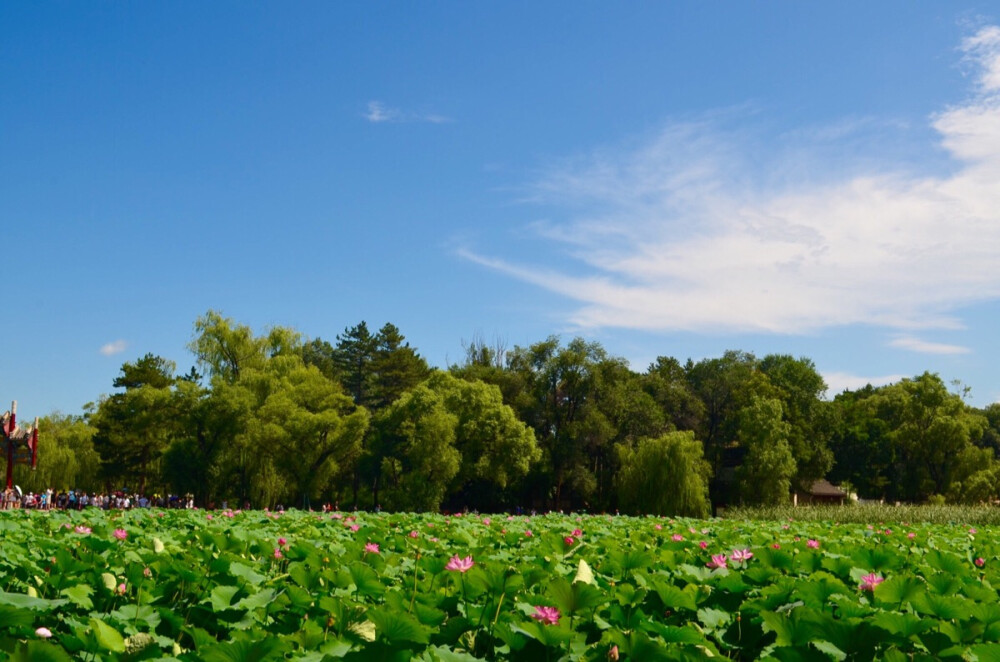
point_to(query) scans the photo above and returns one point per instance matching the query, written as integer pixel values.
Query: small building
(820, 492)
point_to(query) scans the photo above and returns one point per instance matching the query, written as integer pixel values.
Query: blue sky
(665, 178)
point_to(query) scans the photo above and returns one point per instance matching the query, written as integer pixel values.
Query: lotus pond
(191, 585)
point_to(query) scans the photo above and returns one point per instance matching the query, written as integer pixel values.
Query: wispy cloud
(924, 347)
(700, 228)
(112, 348)
(378, 112)
(838, 382)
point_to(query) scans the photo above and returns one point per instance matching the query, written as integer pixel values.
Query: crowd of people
(78, 500)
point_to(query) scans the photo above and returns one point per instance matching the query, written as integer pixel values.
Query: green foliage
(550, 425)
(358, 587)
(765, 477)
(66, 457)
(416, 441)
(133, 428)
(664, 476)
(496, 448)
(911, 440)
(303, 424)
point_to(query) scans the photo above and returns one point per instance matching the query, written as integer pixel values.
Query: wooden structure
(821, 492)
(20, 444)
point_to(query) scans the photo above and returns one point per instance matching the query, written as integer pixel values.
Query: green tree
(496, 448)
(226, 349)
(355, 352)
(415, 443)
(322, 354)
(667, 475)
(396, 367)
(150, 370)
(800, 388)
(305, 425)
(134, 427)
(725, 386)
(863, 454)
(765, 476)
(66, 456)
(667, 383)
(209, 422)
(929, 428)
(974, 479)
(560, 403)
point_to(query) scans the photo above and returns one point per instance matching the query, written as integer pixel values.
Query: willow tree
(667, 475)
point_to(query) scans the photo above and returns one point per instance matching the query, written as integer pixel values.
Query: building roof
(825, 488)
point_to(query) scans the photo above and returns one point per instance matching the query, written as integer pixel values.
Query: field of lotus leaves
(192, 585)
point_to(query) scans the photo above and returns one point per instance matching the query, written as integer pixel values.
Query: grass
(872, 513)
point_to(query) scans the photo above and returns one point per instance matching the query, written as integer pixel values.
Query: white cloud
(924, 347)
(112, 348)
(838, 382)
(378, 112)
(702, 228)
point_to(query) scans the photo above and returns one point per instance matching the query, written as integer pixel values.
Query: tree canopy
(365, 421)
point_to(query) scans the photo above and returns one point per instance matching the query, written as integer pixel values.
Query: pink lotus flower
(658, 527)
(528, 533)
(371, 548)
(121, 534)
(146, 572)
(460, 564)
(741, 555)
(209, 516)
(812, 544)
(870, 581)
(718, 561)
(355, 527)
(776, 546)
(911, 535)
(980, 562)
(546, 615)
(434, 539)
(44, 633)
(414, 534)
(568, 540)
(973, 531)
(703, 544)
(888, 532)
(282, 542)
(577, 533)
(277, 553)
(82, 530)
(336, 516)
(677, 537)
(121, 589)
(486, 521)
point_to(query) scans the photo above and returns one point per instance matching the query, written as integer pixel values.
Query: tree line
(364, 421)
